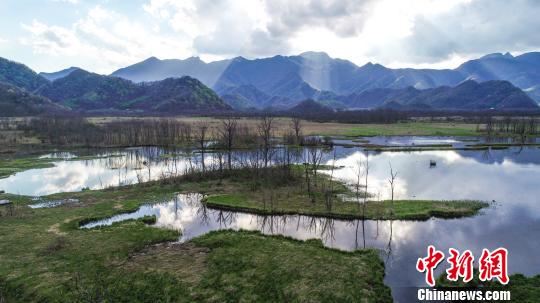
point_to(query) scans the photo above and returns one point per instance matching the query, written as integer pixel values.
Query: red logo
(429, 263)
(491, 265)
(460, 265)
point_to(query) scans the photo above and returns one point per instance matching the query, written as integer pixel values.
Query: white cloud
(51, 39)
(344, 18)
(67, 1)
(349, 29)
(418, 33)
(468, 29)
(223, 27)
(107, 38)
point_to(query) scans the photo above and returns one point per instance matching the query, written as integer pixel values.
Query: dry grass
(185, 261)
(282, 124)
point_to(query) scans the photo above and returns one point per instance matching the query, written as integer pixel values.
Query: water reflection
(400, 242)
(458, 175)
(100, 170)
(455, 141)
(508, 176)
(486, 175)
(40, 203)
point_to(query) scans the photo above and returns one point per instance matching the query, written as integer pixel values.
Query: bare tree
(265, 129)
(389, 246)
(366, 170)
(228, 133)
(296, 125)
(489, 126)
(201, 133)
(358, 183)
(329, 190)
(315, 157)
(392, 182)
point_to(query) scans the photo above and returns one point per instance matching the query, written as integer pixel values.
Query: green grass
(383, 210)
(46, 257)
(522, 288)
(428, 148)
(502, 145)
(34, 267)
(250, 267)
(413, 128)
(290, 196)
(11, 166)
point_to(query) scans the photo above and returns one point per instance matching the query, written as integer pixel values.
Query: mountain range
(468, 95)
(279, 80)
(24, 92)
(85, 91)
(153, 86)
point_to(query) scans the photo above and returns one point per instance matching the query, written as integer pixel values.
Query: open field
(413, 128)
(337, 129)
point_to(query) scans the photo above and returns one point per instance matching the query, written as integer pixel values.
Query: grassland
(9, 166)
(383, 210)
(414, 128)
(282, 125)
(290, 196)
(46, 257)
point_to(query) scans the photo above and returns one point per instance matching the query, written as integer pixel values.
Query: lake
(508, 178)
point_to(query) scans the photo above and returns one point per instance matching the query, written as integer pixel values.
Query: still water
(507, 178)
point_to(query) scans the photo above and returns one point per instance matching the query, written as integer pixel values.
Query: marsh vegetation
(264, 174)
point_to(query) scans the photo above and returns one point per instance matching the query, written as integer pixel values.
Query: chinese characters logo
(491, 265)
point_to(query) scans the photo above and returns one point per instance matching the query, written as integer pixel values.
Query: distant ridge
(495, 81)
(59, 74)
(315, 75)
(154, 69)
(469, 95)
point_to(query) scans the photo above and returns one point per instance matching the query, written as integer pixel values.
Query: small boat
(432, 163)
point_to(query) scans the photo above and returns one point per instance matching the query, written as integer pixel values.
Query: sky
(104, 35)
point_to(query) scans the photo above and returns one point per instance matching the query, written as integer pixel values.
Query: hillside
(244, 97)
(469, 95)
(178, 95)
(82, 90)
(85, 91)
(20, 75)
(18, 102)
(522, 71)
(310, 106)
